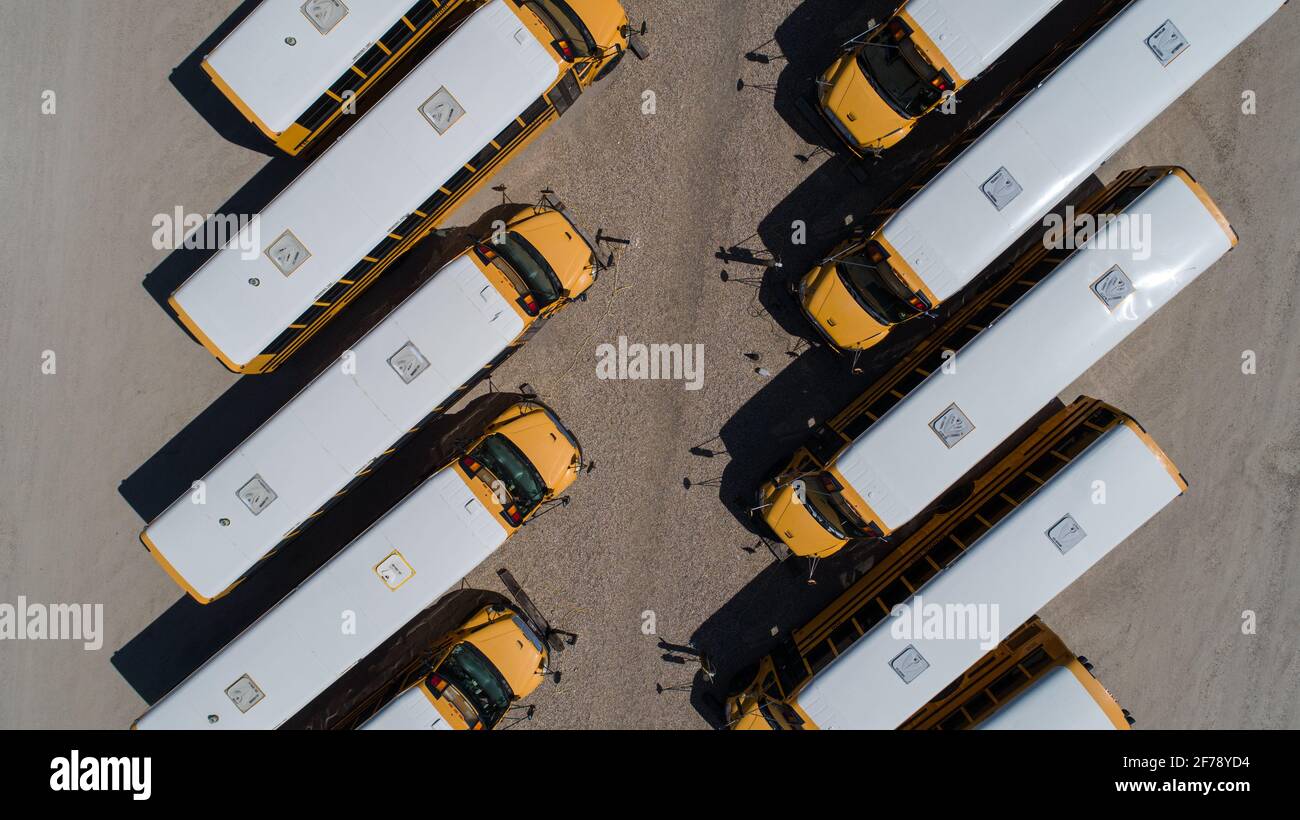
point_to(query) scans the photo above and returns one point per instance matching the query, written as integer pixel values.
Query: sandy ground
(135, 407)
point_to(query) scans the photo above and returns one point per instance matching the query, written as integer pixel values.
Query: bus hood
(853, 104)
(604, 19)
(832, 308)
(794, 525)
(547, 448)
(514, 653)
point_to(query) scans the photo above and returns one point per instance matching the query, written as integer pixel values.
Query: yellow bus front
(524, 459)
(861, 293)
(539, 263)
(495, 661)
(815, 515)
(874, 94)
(761, 706)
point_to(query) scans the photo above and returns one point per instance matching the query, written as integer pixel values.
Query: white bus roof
(278, 81)
(347, 416)
(410, 710)
(1057, 701)
(1015, 569)
(1052, 140)
(424, 546)
(1043, 342)
(973, 34)
(368, 181)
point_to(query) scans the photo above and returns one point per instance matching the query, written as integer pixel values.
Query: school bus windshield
(527, 269)
(503, 461)
(875, 287)
(824, 509)
(480, 685)
(900, 73)
(564, 24)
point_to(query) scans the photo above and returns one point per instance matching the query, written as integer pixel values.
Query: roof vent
(256, 495)
(1066, 534)
(952, 426)
(1001, 189)
(1167, 43)
(442, 110)
(1113, 288)
(244, 693)
(394, 570)
(324, 14)
(408, 362)
(287, 253)
(909, 664)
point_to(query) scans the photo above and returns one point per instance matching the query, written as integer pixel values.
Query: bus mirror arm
(547, 507)
(856, 367)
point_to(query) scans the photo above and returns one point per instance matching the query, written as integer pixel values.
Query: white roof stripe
(330, 431)
(278, 81)
(1062, 132)
(973, 34)
(1058, 701)
(374, 176)
(1015, 568)
(1045, 341)
(299, 648)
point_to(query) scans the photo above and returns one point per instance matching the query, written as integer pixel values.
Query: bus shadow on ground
(188, 633)
(197, 88)
(249, 200)
(762, 435)
(784, 70)
(804, 46)
(767, 610)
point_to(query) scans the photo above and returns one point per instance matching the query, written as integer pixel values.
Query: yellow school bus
(1005, 544)
(486, 92)
(930, 249)
(414, 365)
(473, 678)
(420, 550)
(293, 68)
(876, 92)
(995, 363)
(1029, 681)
